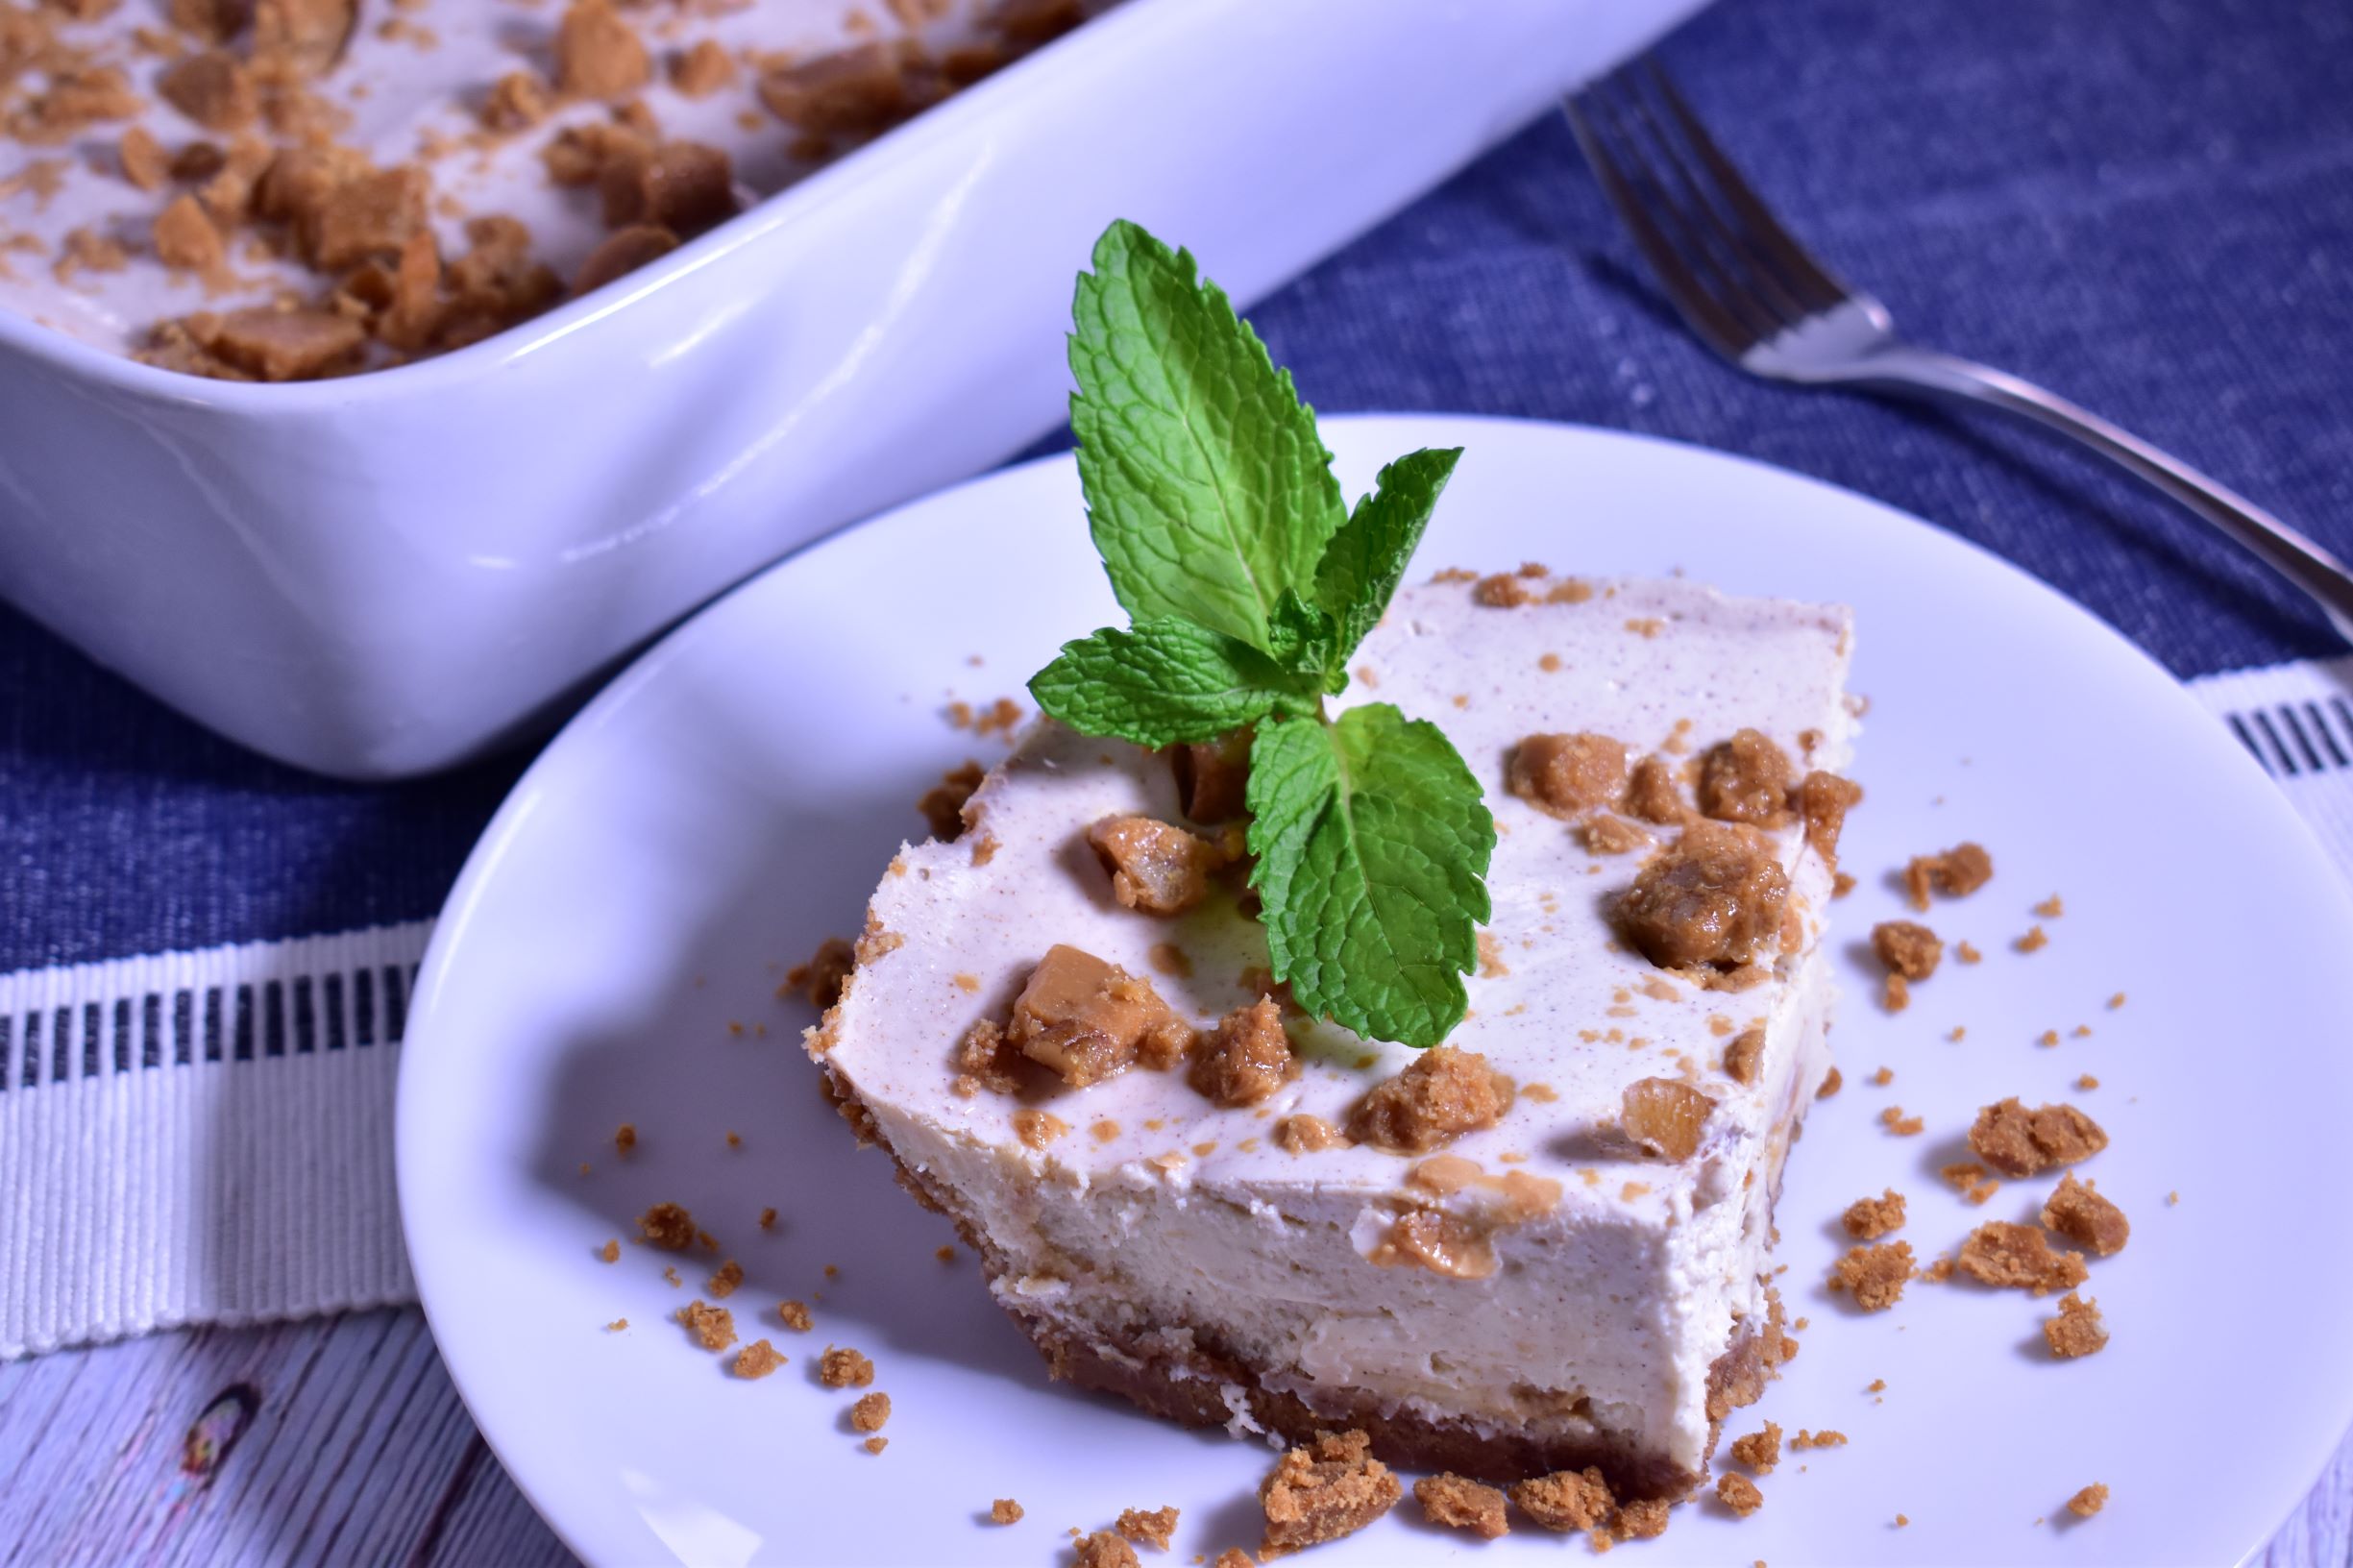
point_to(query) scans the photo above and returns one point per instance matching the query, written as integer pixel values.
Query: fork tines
(1736, 275)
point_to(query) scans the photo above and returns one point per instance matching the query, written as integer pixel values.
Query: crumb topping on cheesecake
(1567, 776)
(1711, 900)
(1746, 779)
(1444, 1093)
(1246, 1058)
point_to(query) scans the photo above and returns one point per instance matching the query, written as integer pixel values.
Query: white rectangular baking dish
(385, 575)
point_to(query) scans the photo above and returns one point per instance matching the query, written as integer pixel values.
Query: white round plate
(613, 951)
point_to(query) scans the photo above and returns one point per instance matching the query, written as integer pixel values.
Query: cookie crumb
(1104, 1550)
(1566, 1500)
(1897, 1122)
(1831, 1084)
(2078, 1211)
(1005, 1511)
(2020, 1142)
(875, 1445)
(1760, 1450)
(2077, 1330)
(1908, 949)
(1739, 1494)
(1147, 1526)
(1444, 1093)
(624, 1140)
(757, 1359)
(713, 1327)
(2033, 942)
(870, 1412)
(768, 1219)
(1875, 1274)
(1323, 1490)
(2050, 908)
(2090, 1501)
(820, 981)
(2009, 1256)
(1956, 872)
(725, 1279)
(1966, 952)
(1462, 1503)
(795, 1315)
(617, 1325)
(668, 1226)
(841, 1368)
(610, 1252)
(1867, 1220)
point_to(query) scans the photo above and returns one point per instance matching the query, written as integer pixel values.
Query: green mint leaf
(1366, 559)
(1161, 682)
(1302, 638)
(1208, 490)
(1372, 844)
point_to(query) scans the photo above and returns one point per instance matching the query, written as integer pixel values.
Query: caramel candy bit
(1083, 1018)
(943, 805)
(1867, 1220)
(1459, 1503)
(683, 187)
(1246, 1058)
(281, 345)
(2018, 1257)
(186, 240)
(1744, 1057)
(1653, 795)
(2077, 1330)
(621, 254)
(854, 91)
(1212, 777)
(517, 101)
(1746, 779)
(1759, 1450)
(842, 1367)
(2018, 1143)
(2091, 1499)
(1443, 1094)
(370, 215)
(2084, 1217)
(306, 37)
(1155, 867)
(1566, 775)
(1147, 1526)
(597, 54)
(1308, 1135)
(1438, 1241)
(1957, 872)
(1664, 1117)
(211, 88)
(1876, 1274)
(1567, 1500)
(1713, 898)
(1739, 1494)
(144, 163)
(1103, 1550)
(1323, 1490)
(1909, 950)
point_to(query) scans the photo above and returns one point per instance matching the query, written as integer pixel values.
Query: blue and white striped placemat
(206, 1137)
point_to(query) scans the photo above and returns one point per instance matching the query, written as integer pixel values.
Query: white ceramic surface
(731, 798)
(385, 574)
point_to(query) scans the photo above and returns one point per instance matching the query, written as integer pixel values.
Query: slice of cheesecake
(1541, 1247)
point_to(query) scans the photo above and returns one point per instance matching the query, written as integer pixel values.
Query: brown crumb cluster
(668, 1226)
(842, 1367)
(1156, 867)
(1459, 1503)
(1304, 1134)
(1664, 1117)
(2018, 1257)
(1443, 1093)
(757, 1359)
(1653, 796)
(943, 804)
(2020, 1142)
(1323, 1490)
(1956, 874)
(870, 1413)
(1876, 1275)
(1005, 1511)
(1867, 1220)
(1712, 899)
(1738, 1494)
(1910, 950)
(1744, 1056)
(713, 1327)
(795, 1315)
(1246, 1058)
(2077, 1330)
(1746, 779)
(1760, 1450)
(2089, 1501)
(1154, 1527)
(1103, 1550)
(1824, 801)
(1567, 1500)
(1567, 776)
(2077, 1210)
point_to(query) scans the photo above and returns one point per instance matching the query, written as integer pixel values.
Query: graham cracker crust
(1193, 1388)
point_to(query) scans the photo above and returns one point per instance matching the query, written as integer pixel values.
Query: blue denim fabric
(2147, 207)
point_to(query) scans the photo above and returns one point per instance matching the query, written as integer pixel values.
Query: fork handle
(2318, 574)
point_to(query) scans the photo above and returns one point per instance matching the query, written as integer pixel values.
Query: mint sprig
(1212, 501)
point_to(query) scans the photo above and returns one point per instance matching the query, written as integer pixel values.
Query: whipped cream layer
(1160, 1214)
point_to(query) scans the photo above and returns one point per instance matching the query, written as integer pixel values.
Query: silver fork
(1763, 301)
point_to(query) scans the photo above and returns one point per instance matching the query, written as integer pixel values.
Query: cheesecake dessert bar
(1543, 1244)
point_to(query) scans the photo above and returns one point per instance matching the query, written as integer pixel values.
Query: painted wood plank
(347, 1444)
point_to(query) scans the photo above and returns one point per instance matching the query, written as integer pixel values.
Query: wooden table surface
(341, 1440)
